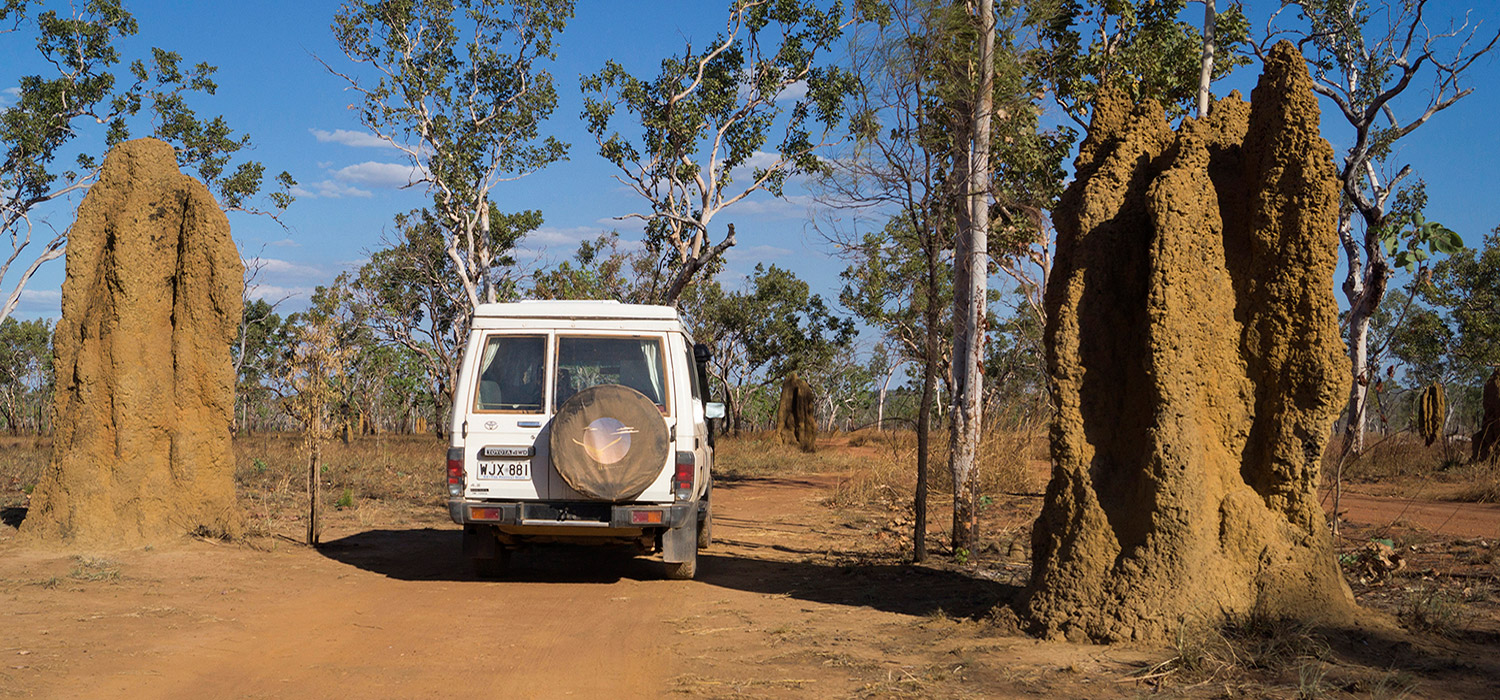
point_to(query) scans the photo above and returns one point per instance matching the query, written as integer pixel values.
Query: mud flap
(680, 544)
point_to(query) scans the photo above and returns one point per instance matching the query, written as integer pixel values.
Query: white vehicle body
(521, 363)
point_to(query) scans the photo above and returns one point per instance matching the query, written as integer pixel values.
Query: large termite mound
(1194, 351)
(145, 385)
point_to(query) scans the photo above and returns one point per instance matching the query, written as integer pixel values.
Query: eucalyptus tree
(85, 100)
(914, 115)
(459, 88)
(25, 373)
(599, 269)
(1143, 47)
(1364, 58)
(773, 328)
(705, 118)
(414, 295)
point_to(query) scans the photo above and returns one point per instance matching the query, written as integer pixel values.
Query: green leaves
(89, 94)
(1410, 240)
(1138, 46)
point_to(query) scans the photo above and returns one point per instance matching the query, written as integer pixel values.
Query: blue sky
(271, 87)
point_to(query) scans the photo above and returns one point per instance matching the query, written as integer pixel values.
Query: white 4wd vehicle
(581, 422)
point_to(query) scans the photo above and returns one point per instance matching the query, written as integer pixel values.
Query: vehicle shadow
(431, 554)
(435, 555)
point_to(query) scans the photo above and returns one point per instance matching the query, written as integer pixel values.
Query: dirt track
(389, 613)
(1438, 517)
(788, 603)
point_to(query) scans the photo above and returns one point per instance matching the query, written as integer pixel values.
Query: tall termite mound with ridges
(145, 384)
(1194, 354)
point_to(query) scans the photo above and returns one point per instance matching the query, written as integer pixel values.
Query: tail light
(682, 477)
(455, 472)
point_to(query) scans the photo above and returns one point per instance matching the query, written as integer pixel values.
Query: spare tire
(609, 442)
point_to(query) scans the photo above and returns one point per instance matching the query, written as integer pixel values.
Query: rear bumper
(571, 514)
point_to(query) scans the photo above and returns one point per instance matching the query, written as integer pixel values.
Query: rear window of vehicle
(512, 374)
(635, 362)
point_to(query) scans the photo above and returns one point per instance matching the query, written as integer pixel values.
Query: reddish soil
(1436, 517)
(793, 600)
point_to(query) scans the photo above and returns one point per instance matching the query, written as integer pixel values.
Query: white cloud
(795, 91)
(9, 96)
(794, 207)
(631, 225)
(559, 243)
(272, 293)
(357, 139)
(743, 172)
(375, 174)
(285, 243)
(758, 253)
(39, 303)
(328, 189)
(285, 268)
(42, 297)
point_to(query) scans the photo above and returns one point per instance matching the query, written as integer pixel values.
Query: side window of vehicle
(692, 375)
(511, 375)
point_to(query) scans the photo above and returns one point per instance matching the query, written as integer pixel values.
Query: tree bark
(970, 304)
(1206, 72)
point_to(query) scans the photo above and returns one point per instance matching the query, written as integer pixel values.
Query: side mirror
(713, 409)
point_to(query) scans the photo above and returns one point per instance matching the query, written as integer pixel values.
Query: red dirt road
(792, 601)
(787, 604)
(1438, 517)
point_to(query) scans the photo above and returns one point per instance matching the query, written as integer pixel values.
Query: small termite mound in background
(1487, 438)
(145, 384)
(795, 416)
(1194, 350)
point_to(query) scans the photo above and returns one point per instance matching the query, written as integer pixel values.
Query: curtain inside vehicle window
(634, 362)
(512, 373)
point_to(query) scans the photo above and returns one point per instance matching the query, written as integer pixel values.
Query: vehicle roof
(575, 309)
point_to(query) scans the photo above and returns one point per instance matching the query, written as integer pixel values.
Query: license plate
(504, 470)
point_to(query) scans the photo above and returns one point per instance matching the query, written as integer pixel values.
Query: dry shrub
(759, 454)
(889, 476)
(1483, 479)
(1434, 609)
(22, 460)
(1400, 454)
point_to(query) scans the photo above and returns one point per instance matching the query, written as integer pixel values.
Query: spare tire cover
(609, 442)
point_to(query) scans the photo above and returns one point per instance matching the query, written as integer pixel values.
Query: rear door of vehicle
(507, 412)
(585, 358)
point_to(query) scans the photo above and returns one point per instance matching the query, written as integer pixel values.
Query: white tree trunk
(969, 333)
(1206, 72)
(1359, 337)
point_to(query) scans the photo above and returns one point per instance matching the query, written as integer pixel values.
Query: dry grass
(21, 462)
(1253, 656)
(1399, 455)
(1482, 483)
(379, 472)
